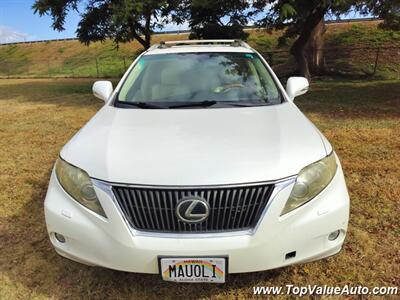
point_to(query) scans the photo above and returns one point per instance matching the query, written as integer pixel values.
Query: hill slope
(73, 59)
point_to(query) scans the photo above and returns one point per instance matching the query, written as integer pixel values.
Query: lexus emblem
(192, 209)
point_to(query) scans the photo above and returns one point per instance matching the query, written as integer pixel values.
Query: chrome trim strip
(154, 186)
(278, 186)
(108, 190)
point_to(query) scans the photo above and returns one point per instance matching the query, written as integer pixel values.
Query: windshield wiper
(243, 104)
(205, 103)
(144, 105)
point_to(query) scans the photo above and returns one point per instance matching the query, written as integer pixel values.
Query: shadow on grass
(352, 99)
(63, 92)
(345, 99)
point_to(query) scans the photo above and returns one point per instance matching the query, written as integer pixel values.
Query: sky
(18, 23)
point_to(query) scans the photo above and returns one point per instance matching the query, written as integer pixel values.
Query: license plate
(193, 269)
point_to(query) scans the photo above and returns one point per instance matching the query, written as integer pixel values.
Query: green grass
(37, 117)
(367, 35)
(263, 40)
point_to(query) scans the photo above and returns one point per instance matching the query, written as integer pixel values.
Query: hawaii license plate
(193, 269)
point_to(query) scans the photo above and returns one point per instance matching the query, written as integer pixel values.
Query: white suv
(198, 158)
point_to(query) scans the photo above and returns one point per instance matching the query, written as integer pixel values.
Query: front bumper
(110, 243)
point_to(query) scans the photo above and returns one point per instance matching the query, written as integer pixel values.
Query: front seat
(171, 86)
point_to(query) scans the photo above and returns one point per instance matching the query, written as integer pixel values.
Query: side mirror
(296, 86)
(102, 90)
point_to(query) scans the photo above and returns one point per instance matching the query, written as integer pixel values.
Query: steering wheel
(227, 87)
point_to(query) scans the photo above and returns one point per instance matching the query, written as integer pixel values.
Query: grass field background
(38, 116)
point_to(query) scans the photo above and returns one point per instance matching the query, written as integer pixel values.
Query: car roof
(190, 46)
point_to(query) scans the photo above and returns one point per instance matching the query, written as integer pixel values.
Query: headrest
(172, 74)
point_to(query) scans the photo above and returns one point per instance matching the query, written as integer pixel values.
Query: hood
(195, 146)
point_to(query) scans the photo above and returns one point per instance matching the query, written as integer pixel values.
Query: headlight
(310, 182)
(78, 185)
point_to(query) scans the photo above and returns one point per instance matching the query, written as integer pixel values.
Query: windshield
(186, 79)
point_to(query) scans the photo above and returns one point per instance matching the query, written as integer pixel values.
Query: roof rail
(232, 43)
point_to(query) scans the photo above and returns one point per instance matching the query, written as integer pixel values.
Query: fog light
(59, 237)
(333, 235)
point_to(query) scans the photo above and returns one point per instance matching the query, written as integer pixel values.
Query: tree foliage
(211, 19)
(120, 20)
(388, 10)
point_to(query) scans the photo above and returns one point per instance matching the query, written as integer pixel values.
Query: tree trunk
(302, 62)
(147, 31)
(137, 37)
(144, 40)
(315, 49)
(299, 47)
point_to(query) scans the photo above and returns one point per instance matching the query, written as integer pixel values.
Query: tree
(304, 20)
(120, 20)
(214, 19)
(388, 10)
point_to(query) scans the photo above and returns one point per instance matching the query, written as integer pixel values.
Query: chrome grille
(231, 208)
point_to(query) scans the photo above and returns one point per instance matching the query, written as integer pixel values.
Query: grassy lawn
(37, 117)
